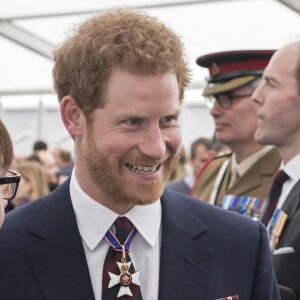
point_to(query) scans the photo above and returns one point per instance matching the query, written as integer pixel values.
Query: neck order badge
(126, 278)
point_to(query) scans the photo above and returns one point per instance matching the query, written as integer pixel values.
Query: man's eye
(133, 121)
(168, 119)
(270, 83)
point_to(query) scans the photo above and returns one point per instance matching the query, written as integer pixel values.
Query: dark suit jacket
(287, 265)
(206, 252)
(179, 186)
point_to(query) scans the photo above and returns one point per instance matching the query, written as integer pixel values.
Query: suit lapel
(292, 202)
(185, 256)
(59, 260)
(290, 233)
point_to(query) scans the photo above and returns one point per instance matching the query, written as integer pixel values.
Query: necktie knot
(123, 228)
(281, 178)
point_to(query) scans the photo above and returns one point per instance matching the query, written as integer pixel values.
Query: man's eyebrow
(270, 78)
(175, 111)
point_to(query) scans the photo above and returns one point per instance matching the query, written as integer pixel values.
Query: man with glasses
(9, 180)
(250, 168)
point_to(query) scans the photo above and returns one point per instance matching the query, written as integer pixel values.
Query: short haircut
(207, 143)
(40, 145)
(65, 155)
(6, 148)
(120, 39)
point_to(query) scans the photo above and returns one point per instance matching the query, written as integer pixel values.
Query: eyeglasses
(9, 185)
(224, 100)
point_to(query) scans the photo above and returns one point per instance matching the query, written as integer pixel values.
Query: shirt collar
(94, 219)
(242, 167)
(292, 168)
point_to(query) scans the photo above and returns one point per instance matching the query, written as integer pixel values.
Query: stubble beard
(109, 176)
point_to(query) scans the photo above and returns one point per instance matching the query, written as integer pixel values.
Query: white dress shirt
(94, 219)
(292, 169)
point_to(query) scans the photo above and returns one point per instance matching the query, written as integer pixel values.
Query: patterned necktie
(123, 229)
(275, 192)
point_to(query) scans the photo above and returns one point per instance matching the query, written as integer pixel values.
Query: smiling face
(128, 151)
(278, 102)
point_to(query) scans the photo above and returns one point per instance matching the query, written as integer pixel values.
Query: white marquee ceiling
(205, 26)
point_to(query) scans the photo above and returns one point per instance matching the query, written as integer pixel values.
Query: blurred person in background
(9, 180)
(64, 173)
(64, 162)
(63, 157)
(50, 167)
(180, 168)
(39, 145)
(49, 164)
(249, 170)
(33, 183)
(201, 151)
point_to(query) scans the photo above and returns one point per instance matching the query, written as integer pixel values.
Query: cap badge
(215, 69)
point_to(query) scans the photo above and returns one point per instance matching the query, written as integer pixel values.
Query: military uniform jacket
(256, 182)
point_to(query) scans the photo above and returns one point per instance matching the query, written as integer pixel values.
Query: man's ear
(72, 116)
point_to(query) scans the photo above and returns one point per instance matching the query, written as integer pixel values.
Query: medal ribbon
(116, 245)
(275, 227)
(273, 221)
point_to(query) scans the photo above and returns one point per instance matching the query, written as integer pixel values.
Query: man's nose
(153, 144)
(257, 95)
(216, 110)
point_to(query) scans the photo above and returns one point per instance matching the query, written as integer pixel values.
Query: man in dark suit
(120, 80)
(278, 110)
